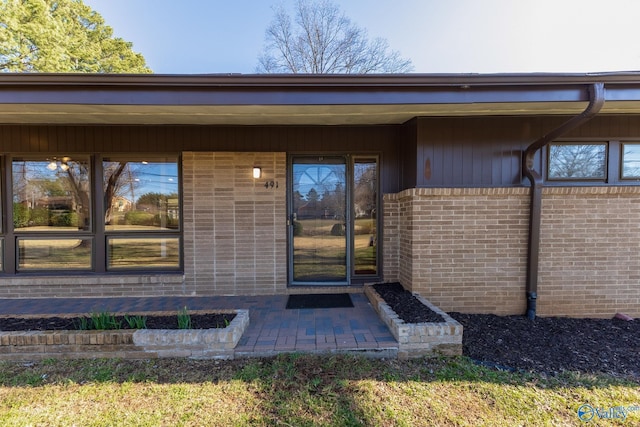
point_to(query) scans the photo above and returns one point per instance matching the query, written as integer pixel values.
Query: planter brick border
(216, 343)
(419, 339)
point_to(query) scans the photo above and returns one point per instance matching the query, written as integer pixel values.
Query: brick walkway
(273, 329)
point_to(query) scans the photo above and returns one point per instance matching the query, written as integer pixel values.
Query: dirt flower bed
(198, 321)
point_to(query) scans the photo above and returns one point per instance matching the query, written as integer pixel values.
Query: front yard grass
(300, 390)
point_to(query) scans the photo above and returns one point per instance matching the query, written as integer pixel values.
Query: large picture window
(82, 213)
(571, 161)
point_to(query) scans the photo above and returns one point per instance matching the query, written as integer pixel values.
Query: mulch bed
(552, 344)
(548, 345)
(198, 321)
(405, 304)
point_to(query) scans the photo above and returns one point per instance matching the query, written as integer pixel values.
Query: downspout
(596, 101)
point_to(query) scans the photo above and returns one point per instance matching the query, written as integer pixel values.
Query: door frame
(351, 277)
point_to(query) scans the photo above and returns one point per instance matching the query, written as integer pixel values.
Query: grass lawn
(297, 390)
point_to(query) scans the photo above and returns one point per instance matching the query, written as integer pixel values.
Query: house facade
(252, 185)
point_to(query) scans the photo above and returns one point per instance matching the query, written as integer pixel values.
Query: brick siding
(75, 286)
(590, 252)
(465, 249)
(234, 227)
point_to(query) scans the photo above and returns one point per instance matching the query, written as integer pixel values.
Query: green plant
(184, 319)
(39, 216)
(136, 322)
(297, 228)
(67, 219)
(20, 215)
(139, 218)
(165, 220)
(104, 320)
(84, 324)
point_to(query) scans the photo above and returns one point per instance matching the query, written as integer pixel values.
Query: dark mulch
(405, 305)
(547, 345)
(553, 344)
(198, 321)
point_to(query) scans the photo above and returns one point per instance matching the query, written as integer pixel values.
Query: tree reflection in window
(577, 161)
(51, 194)
(141, 194)
(631, 161)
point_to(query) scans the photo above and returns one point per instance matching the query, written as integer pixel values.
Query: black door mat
(319, 301)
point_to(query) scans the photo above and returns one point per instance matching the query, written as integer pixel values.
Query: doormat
(319, 301)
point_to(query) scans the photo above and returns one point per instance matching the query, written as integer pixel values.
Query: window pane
(631, 161)
(51, 194)
(365, 201)
(59, 254)
(319, 245)
(141, 195)
(144, 252)
(577, 161)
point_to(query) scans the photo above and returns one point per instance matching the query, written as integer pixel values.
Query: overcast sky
(439, 36)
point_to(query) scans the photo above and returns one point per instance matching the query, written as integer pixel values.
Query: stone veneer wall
(465, 249)
(234, 228)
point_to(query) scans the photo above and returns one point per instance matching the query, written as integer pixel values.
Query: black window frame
(9, 238)
(622, 177)
(602, 179)
(138, 233)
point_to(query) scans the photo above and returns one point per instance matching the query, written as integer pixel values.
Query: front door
(319, 232)
(333, 220)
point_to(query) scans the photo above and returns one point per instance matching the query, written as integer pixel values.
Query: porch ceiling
(299, 100)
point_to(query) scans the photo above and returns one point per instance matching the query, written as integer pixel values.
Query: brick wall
(234, 227)
(590, 252)
(465, 249)
(390, 241)
(75, 286)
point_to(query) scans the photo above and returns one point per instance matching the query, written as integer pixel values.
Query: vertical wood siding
(486, 151)
(382, 140)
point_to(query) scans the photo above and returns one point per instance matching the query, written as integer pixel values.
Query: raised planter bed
(419, 339)
(127, 344)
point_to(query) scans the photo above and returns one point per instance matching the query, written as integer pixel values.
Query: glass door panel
(318, 220)
(365, 214)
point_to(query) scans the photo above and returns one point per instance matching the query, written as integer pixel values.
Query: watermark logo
(587, 412)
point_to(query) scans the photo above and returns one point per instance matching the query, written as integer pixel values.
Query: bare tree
(320, 39)
(571, 161)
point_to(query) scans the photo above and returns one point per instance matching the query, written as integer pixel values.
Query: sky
(439, 36)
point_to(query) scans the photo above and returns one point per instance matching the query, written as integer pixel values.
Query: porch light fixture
(257, 172)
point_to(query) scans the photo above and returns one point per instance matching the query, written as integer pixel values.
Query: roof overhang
(300, 99)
